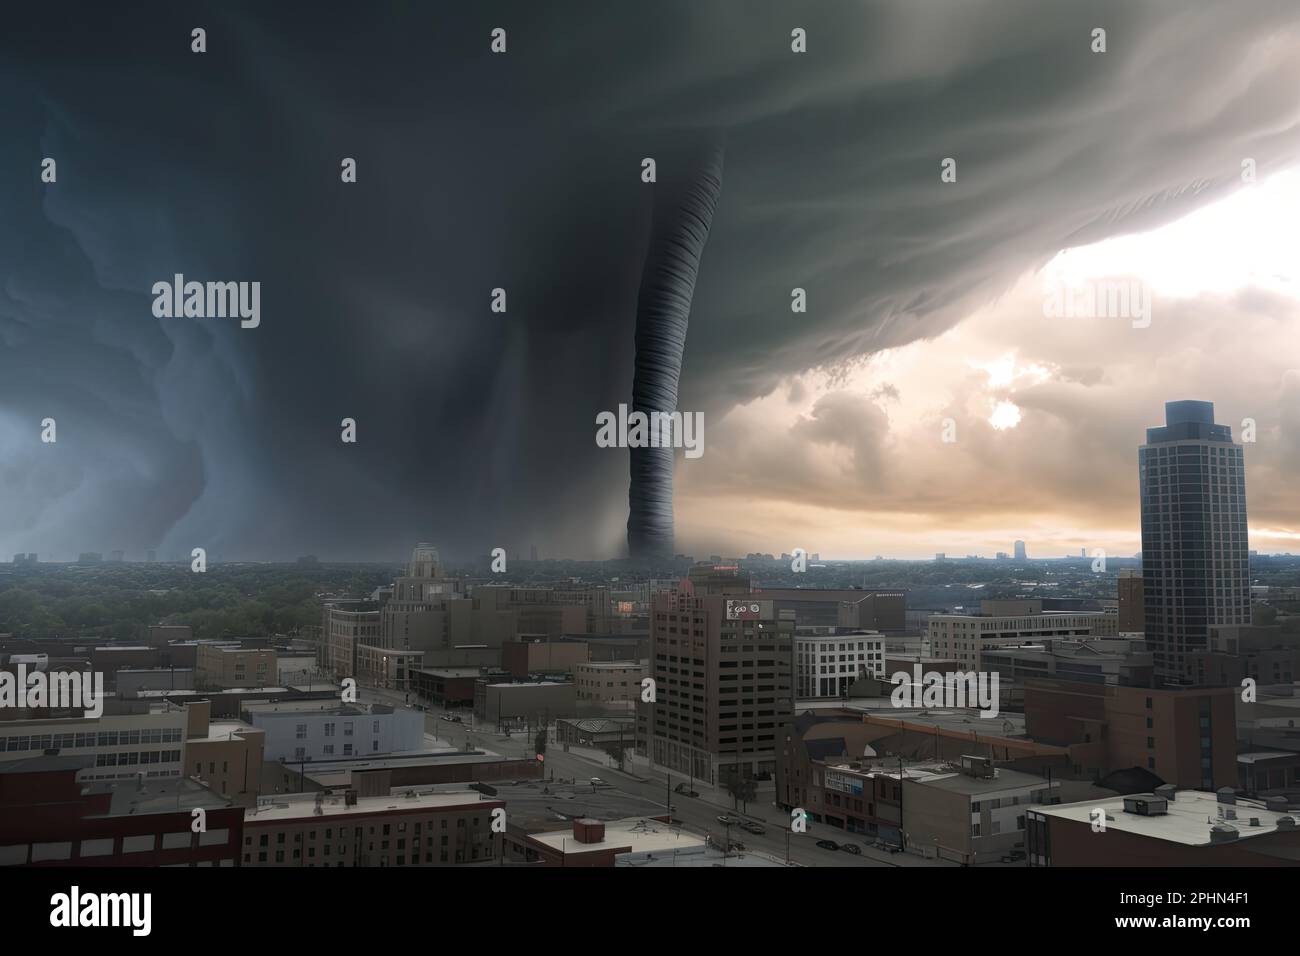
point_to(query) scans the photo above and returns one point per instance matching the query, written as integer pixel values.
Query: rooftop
(639, 835)
(44, 764)
(295, 806)
(1004, 779)
(158, 694)
(1187, 820)
(226, 729)
(536, 805)
(1265, 755)
(156, 795)
(329, 707)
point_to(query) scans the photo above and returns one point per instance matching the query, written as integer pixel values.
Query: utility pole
(902, 838)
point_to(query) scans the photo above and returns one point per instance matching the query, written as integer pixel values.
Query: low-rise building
(118, 745)
(965, 637)
(309, 730)
(829, 660)
(224, 755)
(596, 843)
(1170, 827)
(233, 665)
(609, 685)
(534, 654)
(386, 666)
(405, 828)
(446, 686)
(974, 815)
(597, 732)
(529, 704)
(49, 817)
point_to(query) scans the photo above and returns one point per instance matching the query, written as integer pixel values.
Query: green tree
(742, 789)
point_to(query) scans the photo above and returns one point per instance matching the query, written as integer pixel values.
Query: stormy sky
(522, 171)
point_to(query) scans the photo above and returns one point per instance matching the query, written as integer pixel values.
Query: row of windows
(135, 757)
(112, 738)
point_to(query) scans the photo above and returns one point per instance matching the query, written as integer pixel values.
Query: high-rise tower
(1195, 565)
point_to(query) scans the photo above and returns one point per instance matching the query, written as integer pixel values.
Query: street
(695, 814)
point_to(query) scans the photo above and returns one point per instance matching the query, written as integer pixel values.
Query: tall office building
(722, 659)
(1020, 551)
(1195, 567)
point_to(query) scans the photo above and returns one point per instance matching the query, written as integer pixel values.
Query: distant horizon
(823, 560)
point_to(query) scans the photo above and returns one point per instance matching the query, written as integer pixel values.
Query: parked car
(454, 718)
(681, 788)
(852, 848)
(737, 846)
(726, 819)
(828, 844)
(749, 826)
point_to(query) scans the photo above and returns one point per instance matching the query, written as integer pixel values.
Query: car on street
(828, 844)
(455, 719)
(597, 782)
(852, 848)
(726, 819)
(749, 826)
(681, 788)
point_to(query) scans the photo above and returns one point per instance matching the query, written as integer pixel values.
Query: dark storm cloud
(521, 171)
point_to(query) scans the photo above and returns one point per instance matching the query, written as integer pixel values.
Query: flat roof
(610, 665)
(537, 805)
(696, 856)
(46, 764)
(1187, 820)
(641, 835)
(328, 706)
(224, 729)
(303, 806)
(190, 692)
(156, 795)
(1264, 755)
(1003, 780)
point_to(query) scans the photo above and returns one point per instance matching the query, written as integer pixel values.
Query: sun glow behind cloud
(1247, 239)
(1025, 389)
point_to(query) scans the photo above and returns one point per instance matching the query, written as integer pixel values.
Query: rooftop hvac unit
(1146, 806)
(1222, 833)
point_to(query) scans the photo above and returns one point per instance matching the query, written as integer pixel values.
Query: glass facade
(1195, 553)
